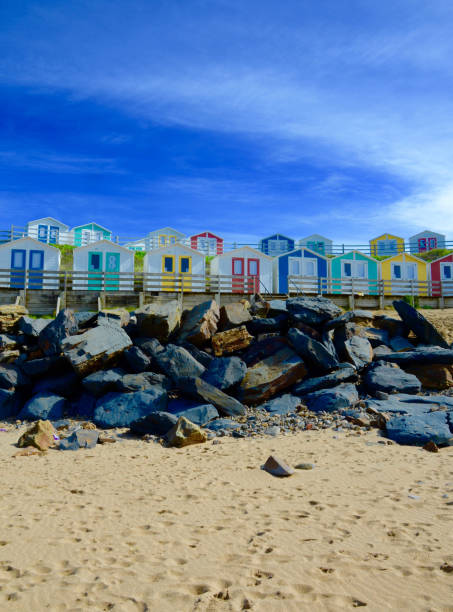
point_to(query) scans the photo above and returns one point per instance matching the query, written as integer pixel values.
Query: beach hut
(245, 269)
(27, 255)
(402, 274)
(136, 245)
(303, 263)
(101, 262)
(442, 275)
(354, 272)
(207, 243)
(426, 241)
(178, 266)
(48, 230)
(89, 233)
(276, 245)
(163, 237)
(386, 245)
(318, 244)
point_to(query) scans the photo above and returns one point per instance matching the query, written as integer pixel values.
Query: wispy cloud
(64, 164)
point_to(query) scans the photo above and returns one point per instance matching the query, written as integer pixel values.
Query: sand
(135, 526)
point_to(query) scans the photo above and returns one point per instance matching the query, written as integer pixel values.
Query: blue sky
(243, 117)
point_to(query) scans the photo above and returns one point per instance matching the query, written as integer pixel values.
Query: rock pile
(246, 369)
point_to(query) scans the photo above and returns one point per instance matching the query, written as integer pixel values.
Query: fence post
(412, 294)
(381, 294)
(351, 297)
(218, 290)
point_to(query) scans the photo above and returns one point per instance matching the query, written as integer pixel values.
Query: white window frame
(354, 265)
(292, 260)
(443, 265)
(392, 268)
(305, 262)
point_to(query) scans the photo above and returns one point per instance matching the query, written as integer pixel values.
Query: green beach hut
(354, 269)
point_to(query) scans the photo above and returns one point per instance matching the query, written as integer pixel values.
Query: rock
(277, 467)
(11, 376)
(345, 373)
(328, 400)
(83, 406)
(365, 317)
(382, 377)
(433, 376)
(200, 323)
(305, 466)
(223, 424)
(96, 348)
(156, 424)
(31, 327)
(264, 348)
(52, 336)
(8, 342)
(197, 413)
(43, 406)
(381, 350)
(9, 355)
(40, 435)
(277, 307)
(377, 337)
(431, 447)
(10, 314)
(117, 316)
(405, 404)
(82, 438)
(136, 360)
(150, 346)
(271, 375)
(420, 428)
(225, 373)
(266, 326)
(296, 322)
(38, 367)
(200, 389)
(101, 382)
(312, 352)
(259, 306)
(176, 362)
(420, 356)
(231, 341)
(103, 439)
(159, 320)
(399, 343)
(358, 351)
(10, 402)
(422, 328)
(85, 318)
(201, 356)
(233, 315)
(313, 310)
(64, 385)
(184, 433)
(142, 382)
(121, 409)
(394, 327)
(285, 404)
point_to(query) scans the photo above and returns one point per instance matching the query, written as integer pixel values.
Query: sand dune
(135, 526)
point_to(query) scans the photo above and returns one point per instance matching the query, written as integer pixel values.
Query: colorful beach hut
(302, 270)
(207, 243)
(163, 237)
(28, 258)
(105, 266)
(176, 266)
(89, 233)
(386, 245)
(48, 230)
(442, 275)
(276, 245)
(403, 273)
(354, 272)
(245, 270)
(318, 244)
(136, 245)
(426, 241)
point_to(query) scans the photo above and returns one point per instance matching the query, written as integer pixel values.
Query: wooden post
(141, 299)
(381, 294)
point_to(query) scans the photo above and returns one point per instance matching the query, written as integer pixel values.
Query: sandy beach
(134, 526)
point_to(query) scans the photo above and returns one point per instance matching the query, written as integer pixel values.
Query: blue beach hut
(307, 271)
(276, 245)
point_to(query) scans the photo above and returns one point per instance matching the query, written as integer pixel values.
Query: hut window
(172, 239)
(294, 266)
(168, 264)
(238, 266)
(360, 269)
(96, 261)
(18, 258)
(396, 271)
(347, 269)
(162, 240)
(432, 243)
(310, 267)
(253, 267)
(411, 271)
(184, 264)
(446, 271)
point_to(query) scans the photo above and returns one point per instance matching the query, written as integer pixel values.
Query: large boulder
(266, 326)
(10, 314)
(433, 376)
(200, 414)
(233, 315)
(393, 326)
(399, 344)
(271, 375)
(38, 367)
(313, 310)
(422, 328)
(264, 348)
(418, 429)
(121, 409)
(32, 327)
(145, 381)
(51, 337)
(82, 406)
(81, 438)
(44, 406)
(159, 319)
(377, 337)
(285, 404)
(9, 356)
(185, 432)
(201, 356)
(315, 354)
(117, 316)
(358, 351)
(383, 377)
(363, 317)
(156, 423)
(329, 400)
(7, 341)
(225, 372)
(11, 376)
(136, 360)
(177, 362)
(200, 323)
(101, 382)
(345, 373)
(65, 384)
(40, 435)
(231, 341)
(420, 356)
(200, 389)
(10, 402)
(96, 348)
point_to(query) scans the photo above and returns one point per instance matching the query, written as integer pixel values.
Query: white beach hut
(28, 257)
(176, 266)
(246, 270)
(106, 266)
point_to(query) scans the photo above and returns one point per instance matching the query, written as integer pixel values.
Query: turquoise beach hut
(354, 269)
(90, 232)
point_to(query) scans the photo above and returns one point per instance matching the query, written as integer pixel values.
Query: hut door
(432, 243)
(54, 234)
(422, 245)
(253, 270)
(237, 271)
(168, 272)
(185, 270)
(112, 264)
(18, 260)
(35, 268)
(446, 276)
(42, 233)
(94, 271)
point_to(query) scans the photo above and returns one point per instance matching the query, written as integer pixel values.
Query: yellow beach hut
(386, 245)
(404, 274)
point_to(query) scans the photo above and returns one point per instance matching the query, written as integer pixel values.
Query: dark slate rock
(352, 316)
(63, 326)
(418, 429)
(38, 367)
(200, 323)
(399, 343)
(157, 424)
(201, 356)
(381, 377)
(225, 372)
(315, 354)
(136, 360)
(285, 404)
(121, 409)
(82, 406)
(345, 373)
(43, 406)
(422, 328)
(220, 424)
(150, 346)
(159, 320)
(101, 382)
(233, 315)
(65, 385)
(297, 322)
(427, 400)
(266, 326)
(377, 337)
(9, 403)
(85, 318)
(200, 414)
(328, 400)
(82, 438)
(428, 355)
(404, 404)
(32, 327)
(381, 351)
(142, 382)
(277, 307)
(394, 327)
(314, 310)
(358, 351)
(7, 341)
(263, 348)
(11, 376)
(200, 389)
(176, 362)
